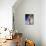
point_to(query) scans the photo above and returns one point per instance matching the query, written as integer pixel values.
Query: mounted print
(29, 19)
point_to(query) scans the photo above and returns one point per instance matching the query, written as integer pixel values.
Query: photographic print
(29, 19)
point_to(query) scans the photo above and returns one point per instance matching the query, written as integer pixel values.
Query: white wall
(43, 22)
(29, 31)
(6, 13)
